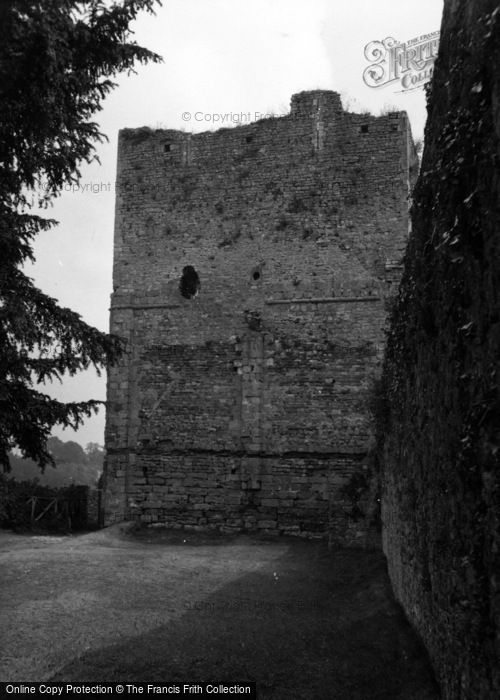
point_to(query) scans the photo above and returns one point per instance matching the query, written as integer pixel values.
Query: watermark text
(408, 65)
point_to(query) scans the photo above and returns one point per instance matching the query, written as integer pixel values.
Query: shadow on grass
(313, 624)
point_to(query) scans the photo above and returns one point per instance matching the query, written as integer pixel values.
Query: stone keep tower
(252, 273)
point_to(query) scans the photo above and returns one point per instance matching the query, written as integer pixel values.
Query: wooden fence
(62, 511)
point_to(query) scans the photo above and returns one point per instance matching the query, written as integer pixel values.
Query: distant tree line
(74, 465)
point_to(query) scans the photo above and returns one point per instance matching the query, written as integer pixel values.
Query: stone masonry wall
(441, 490)
(246, 406)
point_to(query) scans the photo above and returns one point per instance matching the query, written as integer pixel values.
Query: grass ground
(300, 620)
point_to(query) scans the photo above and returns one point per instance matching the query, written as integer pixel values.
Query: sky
(221, 58)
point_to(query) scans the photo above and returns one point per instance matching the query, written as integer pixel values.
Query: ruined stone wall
(246, 406)
(441, 474)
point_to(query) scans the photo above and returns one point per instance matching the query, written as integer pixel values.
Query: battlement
(312, 101)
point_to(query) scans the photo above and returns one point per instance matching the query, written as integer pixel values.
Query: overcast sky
(220, 57)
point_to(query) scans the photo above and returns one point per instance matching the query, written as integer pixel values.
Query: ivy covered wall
(441, 439)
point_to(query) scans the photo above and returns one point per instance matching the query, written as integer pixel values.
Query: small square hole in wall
(256, 274)
(249, 139)
(364, 128)
(167, 147)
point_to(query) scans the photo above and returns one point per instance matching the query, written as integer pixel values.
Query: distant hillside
(74, 465)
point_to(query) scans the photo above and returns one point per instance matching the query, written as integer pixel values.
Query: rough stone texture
(246, 407)
(441, 477)
(93, 507)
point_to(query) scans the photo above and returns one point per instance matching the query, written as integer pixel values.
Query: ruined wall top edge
(325, 104)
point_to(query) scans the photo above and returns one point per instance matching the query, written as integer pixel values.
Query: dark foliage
(72, 465)
(56, 61)
(16, 506)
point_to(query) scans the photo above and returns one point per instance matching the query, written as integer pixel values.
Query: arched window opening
(189, 285)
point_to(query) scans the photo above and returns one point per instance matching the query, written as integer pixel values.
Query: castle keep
(253, 271)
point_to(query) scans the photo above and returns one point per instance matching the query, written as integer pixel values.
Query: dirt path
(301, 621)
